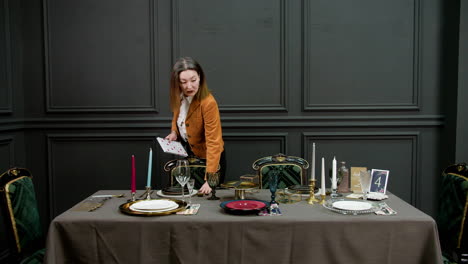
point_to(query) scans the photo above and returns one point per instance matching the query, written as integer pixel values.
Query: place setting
(170, 200)
(242, 206)
(353, 192)
(148, 206)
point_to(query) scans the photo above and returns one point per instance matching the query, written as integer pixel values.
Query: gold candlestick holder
(312, 198)
(322, 196)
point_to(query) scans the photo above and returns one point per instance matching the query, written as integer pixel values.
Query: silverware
(99, 204)
(108, 195)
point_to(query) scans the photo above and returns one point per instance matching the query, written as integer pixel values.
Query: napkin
(191, 210)
(270, 211)
(385, 210)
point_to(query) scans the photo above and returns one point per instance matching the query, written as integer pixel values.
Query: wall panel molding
(7, 152)
(243, 148)
(361, 84)
(111, 86)
(68, 155)
(280, 138)
(232, 122)
(355, 145)
(6, 89)
(238, 77)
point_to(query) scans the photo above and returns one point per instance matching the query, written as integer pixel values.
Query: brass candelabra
(322, 196)
(312, 198)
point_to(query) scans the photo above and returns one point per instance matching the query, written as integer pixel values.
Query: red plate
(245, 205)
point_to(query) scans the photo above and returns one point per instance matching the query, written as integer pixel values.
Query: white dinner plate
(352, 205)
(159, 193)
(153, 205)
(153, 211)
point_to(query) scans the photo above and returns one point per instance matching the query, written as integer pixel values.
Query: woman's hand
(172, 136)
(205, 188)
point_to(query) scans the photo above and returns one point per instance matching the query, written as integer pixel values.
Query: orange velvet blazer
(204, 131)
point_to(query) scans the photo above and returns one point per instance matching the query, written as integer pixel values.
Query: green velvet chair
(197, 171)
(452, 215)
(291, 170)
(21, 216)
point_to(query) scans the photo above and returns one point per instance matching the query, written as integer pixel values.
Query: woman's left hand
(205, 188)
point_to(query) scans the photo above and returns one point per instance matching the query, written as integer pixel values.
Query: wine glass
(182, 174)
(213, 180)
(190, 185)
(365, 183)
(273, 177)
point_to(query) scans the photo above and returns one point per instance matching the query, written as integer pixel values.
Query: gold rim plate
(125, 208)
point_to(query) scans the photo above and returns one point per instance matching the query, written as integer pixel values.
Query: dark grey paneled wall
(5, 59)
(462, 112)
(350, 63)
(363, 84)
(100, 56)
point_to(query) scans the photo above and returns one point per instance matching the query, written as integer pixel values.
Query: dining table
(302, 233)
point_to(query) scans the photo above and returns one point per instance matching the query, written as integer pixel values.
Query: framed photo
(379, 179)
(356, 179)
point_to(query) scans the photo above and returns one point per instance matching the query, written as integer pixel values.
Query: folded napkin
(273, 209)
(191, 210)
(385, 210)
(174, 190)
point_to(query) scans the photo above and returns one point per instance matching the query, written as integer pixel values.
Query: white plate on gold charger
(154, 205)
(352, 205)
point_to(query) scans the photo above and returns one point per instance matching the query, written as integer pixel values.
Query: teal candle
(150, 166)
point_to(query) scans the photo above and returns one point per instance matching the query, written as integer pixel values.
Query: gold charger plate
(125, 208)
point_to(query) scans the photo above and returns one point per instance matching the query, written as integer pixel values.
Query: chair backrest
(19, 208)
(197, 170)
(291, 170)
(452, 218)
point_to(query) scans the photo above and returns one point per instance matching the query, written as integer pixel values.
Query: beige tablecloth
(303, 234)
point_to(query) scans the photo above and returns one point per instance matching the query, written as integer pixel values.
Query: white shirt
(184, 107)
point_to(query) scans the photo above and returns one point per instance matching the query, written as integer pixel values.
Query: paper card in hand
(173, 147)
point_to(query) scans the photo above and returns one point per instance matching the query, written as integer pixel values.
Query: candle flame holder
(322, 196)
(148, 192)
(312, 198)
(334, 193)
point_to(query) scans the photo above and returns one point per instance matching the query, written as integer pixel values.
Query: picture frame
(356, 179)
(379, 180)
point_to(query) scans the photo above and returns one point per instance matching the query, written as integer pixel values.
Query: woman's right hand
(205, 188)
(172, 136)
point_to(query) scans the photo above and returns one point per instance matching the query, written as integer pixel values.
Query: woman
(196, 121)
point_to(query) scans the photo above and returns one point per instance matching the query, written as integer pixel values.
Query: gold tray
(125, 208)
(239, 185)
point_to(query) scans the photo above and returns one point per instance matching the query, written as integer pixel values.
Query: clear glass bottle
(343, 178)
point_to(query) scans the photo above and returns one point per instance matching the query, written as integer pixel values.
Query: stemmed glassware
(190, 186)
(182, 174)
(273, 184)
(213, 180)
(365, 183)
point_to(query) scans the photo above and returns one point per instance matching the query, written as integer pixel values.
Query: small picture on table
(379, 179)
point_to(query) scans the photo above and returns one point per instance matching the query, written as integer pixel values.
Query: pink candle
(133, 175)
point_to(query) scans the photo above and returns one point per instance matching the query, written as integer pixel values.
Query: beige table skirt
(303, 234)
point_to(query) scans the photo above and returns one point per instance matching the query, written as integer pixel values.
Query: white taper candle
(334, 173)
(312, 173)
(323, 176)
